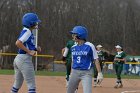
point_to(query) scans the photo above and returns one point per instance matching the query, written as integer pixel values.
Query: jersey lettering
(79, 53)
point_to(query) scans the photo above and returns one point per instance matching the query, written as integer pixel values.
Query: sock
(14, 90)
(95, 79)
(31, 91)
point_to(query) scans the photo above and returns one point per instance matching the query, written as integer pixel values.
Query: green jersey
(120, 56)
(101, 55)
(70, 43)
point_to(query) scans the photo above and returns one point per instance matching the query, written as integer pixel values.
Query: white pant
(24, 69)
(80, 75)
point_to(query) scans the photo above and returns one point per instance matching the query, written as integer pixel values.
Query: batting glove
(100, 77)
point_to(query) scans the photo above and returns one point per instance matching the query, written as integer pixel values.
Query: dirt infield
(53, 84)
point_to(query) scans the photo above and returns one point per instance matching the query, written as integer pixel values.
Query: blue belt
(22, 52)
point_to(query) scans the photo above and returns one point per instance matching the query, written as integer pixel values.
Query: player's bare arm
(64, 53)
(100, 75)
(97, 65)
(20, 45)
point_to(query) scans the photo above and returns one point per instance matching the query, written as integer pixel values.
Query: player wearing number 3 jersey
(83, 56)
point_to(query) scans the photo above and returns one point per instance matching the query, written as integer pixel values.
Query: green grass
(123, 76)
(40, 73)
(49, 73)
(6, 72)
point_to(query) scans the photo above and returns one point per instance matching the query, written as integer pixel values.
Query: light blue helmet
(82, 32)
(30, 19)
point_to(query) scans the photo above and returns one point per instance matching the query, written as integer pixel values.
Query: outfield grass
(49, 73)
(6, 72)
(41, 73)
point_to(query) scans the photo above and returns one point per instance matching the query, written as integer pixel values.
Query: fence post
(53, 63)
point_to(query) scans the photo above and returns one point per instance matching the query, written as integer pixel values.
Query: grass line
(49, 73)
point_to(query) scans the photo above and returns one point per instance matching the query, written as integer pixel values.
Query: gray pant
(24, 69)
(80, 75)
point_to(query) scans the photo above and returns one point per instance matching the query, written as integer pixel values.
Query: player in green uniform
(119, 60)
(67, 57)
(101, 55)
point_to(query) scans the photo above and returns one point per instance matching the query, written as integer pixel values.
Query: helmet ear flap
(77, 37)
(32, 24)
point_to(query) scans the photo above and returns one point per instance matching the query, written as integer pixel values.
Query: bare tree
(109, 22)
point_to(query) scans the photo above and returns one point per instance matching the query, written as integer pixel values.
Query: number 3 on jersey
(78, 59)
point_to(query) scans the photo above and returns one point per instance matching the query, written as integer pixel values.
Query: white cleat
(76, 91)
(98, 85)
(95, 84)
(67, 83)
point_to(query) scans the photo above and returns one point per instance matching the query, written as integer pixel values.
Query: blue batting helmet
(81, 32)
(30, 19)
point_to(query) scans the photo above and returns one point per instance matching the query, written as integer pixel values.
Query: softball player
(101, 58)
(23, 65)
(119, 60)
(67, 58)
(83, 55)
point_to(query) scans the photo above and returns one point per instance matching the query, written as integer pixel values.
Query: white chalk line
(131, 91)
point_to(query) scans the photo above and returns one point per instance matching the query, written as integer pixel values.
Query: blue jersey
(27, 38)
(83, 56)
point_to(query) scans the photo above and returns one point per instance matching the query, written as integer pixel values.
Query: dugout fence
(46, 62)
